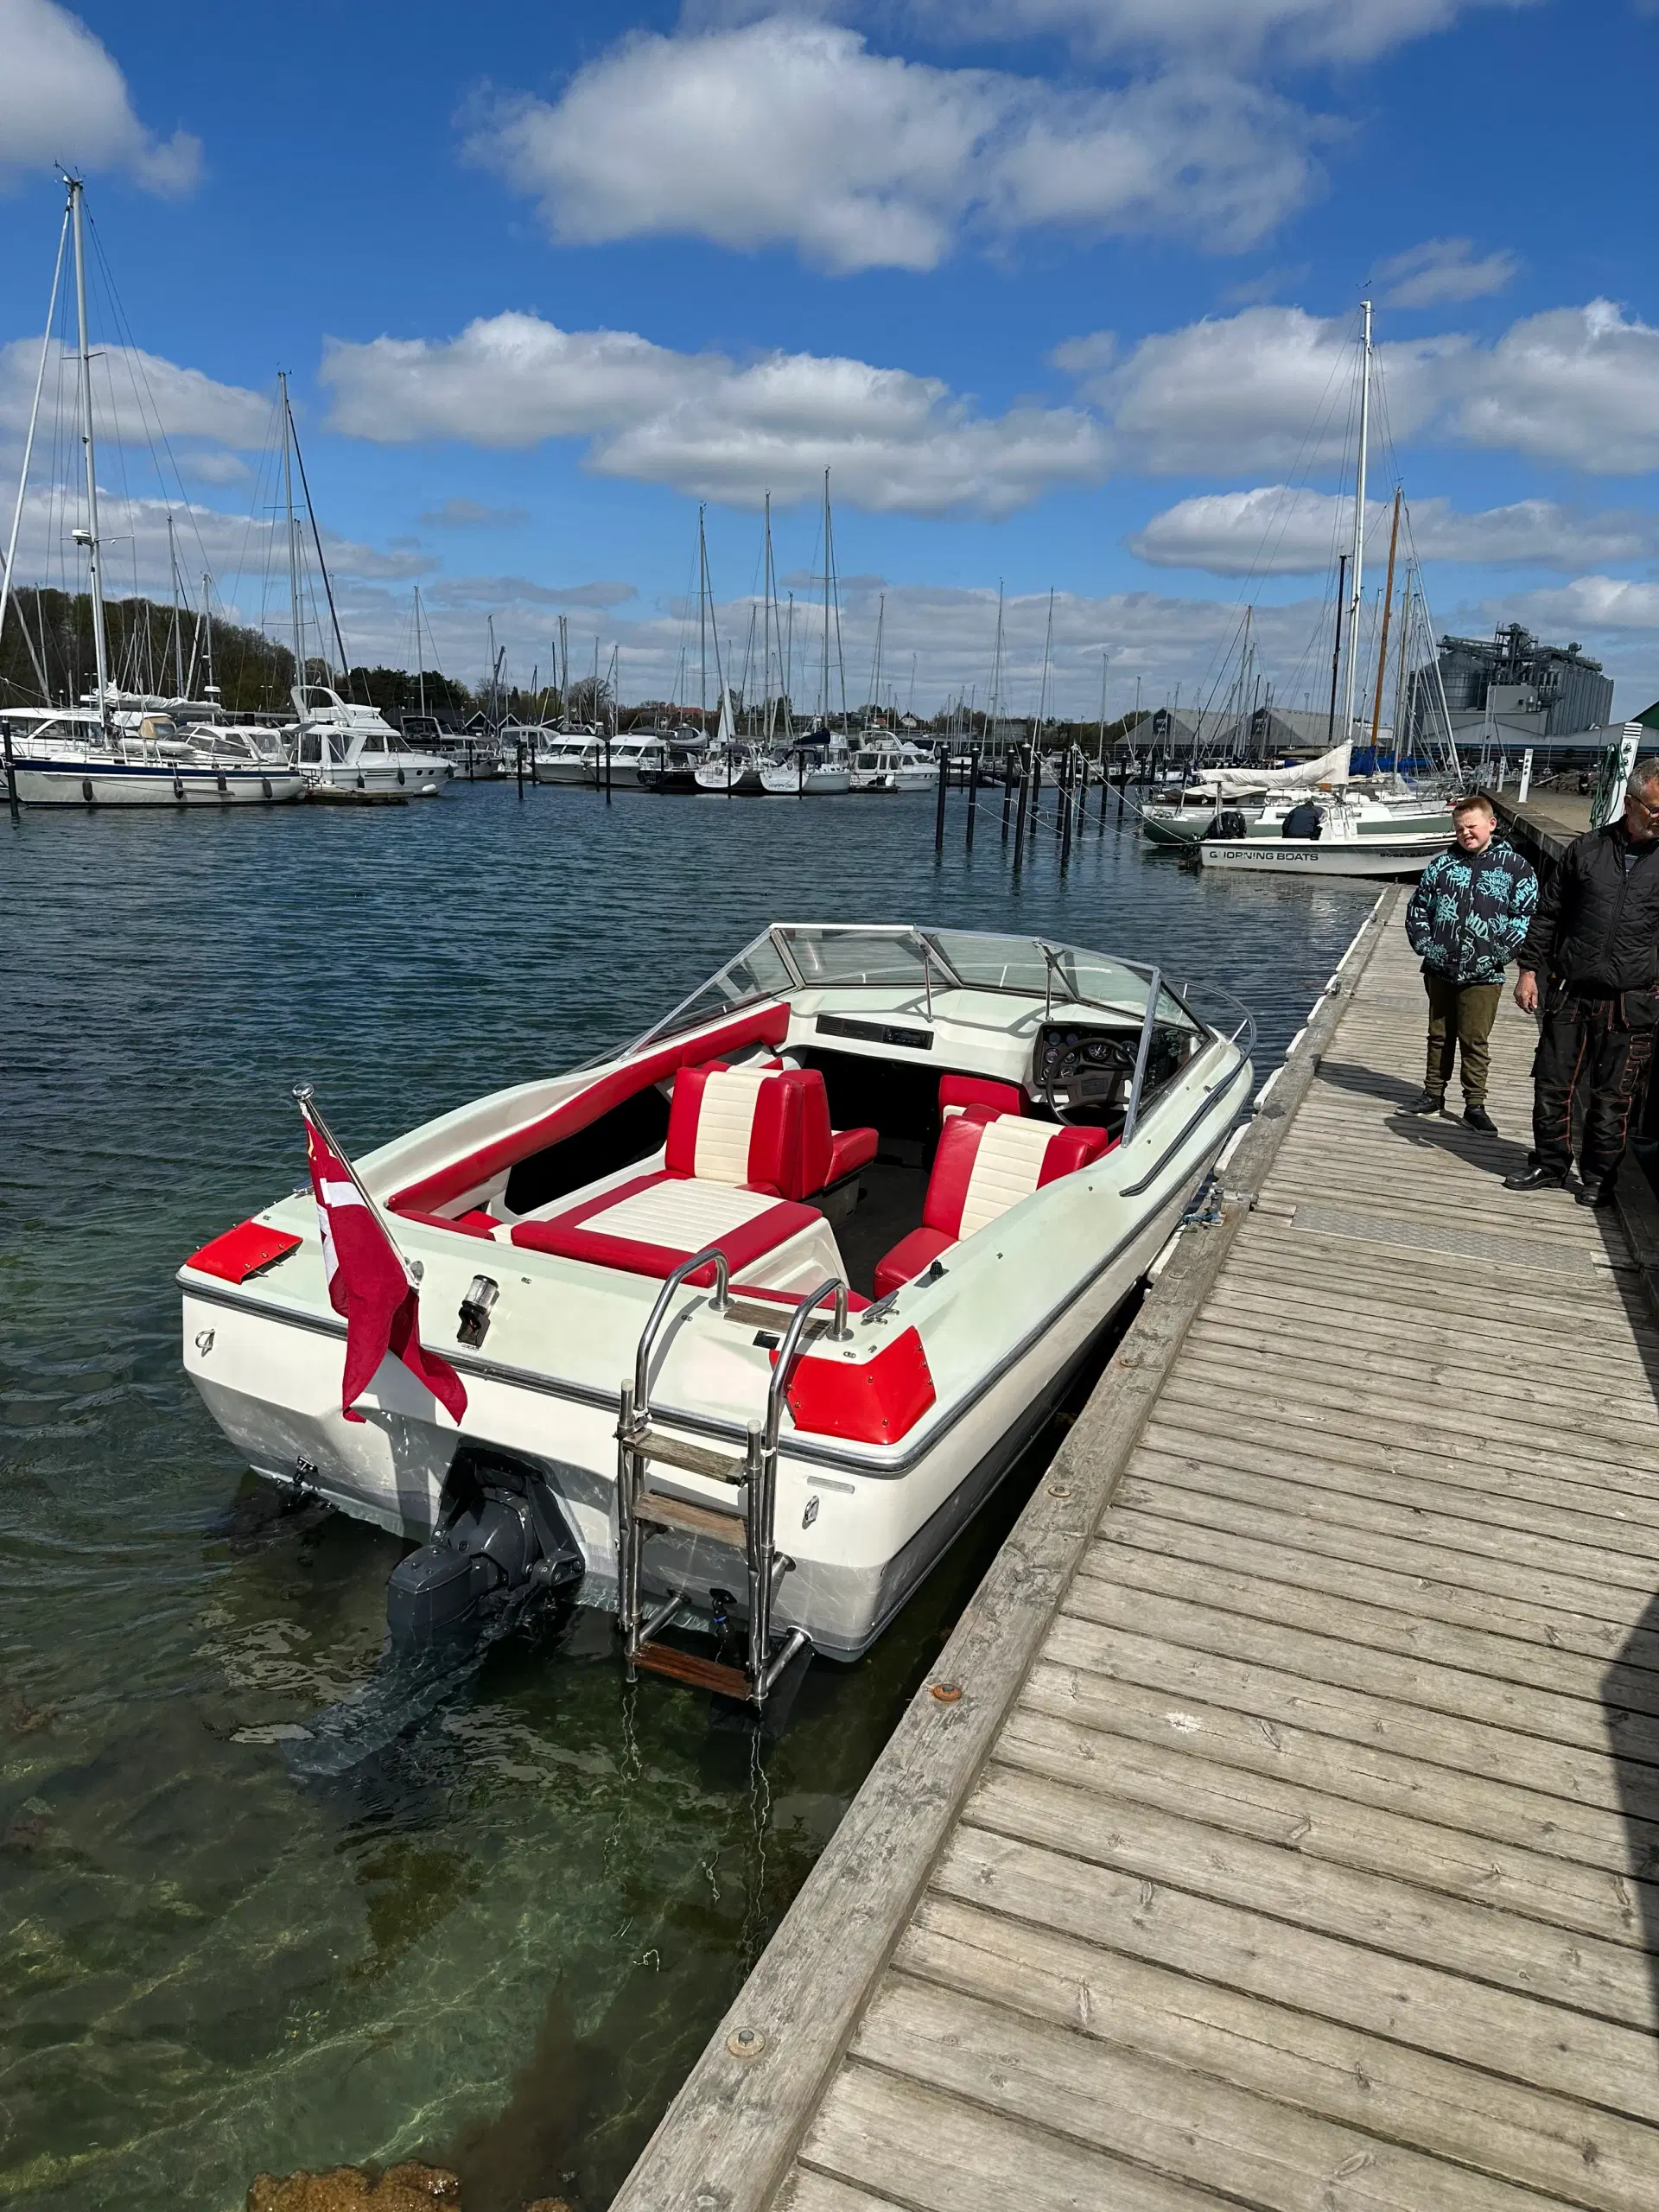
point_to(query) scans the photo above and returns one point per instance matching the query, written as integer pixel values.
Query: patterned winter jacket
(1469, 914)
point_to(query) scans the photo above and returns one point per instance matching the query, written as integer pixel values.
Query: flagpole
(305, 1099)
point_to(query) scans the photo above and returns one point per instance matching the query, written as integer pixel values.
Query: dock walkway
(1292, 1843)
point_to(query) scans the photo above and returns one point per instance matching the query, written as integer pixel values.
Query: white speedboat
(355, 748)
(818, 767)
(890, 766)
(752, 1315)
(1343, 832)
(67, 757)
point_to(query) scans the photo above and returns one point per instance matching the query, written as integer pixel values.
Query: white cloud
(134, 394)
(897, 442)
(788, 132)
(1440, 271)
(1294, 31)
(1586, 605)
(63, 99)
(1577, 384)
(1276, 531)
(1297, 31)
(520, 591)
(1269, 388)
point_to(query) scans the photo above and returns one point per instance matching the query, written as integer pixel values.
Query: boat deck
(1291, 1843)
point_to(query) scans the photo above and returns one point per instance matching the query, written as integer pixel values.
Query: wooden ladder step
(697, 1674)
(725, 1528)
(695, 1458)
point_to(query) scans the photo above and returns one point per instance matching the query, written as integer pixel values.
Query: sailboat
(820, 763)
(115, 750)
(1341, 829)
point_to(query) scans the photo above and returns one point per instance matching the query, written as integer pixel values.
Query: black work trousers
(1585, 1052)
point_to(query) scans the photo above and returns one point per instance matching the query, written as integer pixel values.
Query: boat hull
(274, 1389)
(414, 780)
(787, 782)
(1392, 857)
(84, 784)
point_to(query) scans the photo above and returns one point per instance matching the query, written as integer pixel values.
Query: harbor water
(502, 1946)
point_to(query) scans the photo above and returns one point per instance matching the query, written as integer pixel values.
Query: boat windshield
(793, 956)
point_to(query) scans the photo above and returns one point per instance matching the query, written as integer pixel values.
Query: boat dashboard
(1087, 1073)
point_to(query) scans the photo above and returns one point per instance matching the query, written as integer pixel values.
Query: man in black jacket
(1591, 961)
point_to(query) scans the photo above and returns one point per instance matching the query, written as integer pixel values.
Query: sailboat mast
(420, 662)
(1335, 656)
(296, 617)
(178, 634)
(94, 551)
(6, 578)
(823, 680)
(770, 706)
(702, 622)
(875, 671)
(207, 629)
(1357, 579)
(1383, 642)
(996, 669)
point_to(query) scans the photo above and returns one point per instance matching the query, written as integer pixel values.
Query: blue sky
(1062, 290)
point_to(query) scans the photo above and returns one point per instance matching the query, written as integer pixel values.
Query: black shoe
(1595, 1194)
(1432, 1102)
(1478, 1118)
(1535, 1178)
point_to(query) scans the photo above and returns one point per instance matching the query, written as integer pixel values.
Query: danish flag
(370, 1284)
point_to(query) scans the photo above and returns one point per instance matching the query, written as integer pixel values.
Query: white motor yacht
(68, 756)
(891, 765)
(356, 748)
(752, 1315)
(567, 756)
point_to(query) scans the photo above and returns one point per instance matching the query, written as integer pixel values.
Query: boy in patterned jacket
(1468, 919)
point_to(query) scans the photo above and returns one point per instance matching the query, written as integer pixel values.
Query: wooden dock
(1293, 1841)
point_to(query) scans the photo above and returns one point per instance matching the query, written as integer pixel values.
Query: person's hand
(1526, 991)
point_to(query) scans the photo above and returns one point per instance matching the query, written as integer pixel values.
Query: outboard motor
(501, 1542)
(1229, 823)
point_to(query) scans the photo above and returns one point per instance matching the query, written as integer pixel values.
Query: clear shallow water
(504, 1946)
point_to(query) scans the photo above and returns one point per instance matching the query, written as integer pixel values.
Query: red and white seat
(957, 1093)
(985, 1163)
(745, 1147)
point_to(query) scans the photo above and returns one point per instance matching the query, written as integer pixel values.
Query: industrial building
(1529, 694)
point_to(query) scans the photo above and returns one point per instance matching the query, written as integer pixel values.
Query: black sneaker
(1432, 1102)
(1478, 1118)
(1595, 1194)
(1535, 1178)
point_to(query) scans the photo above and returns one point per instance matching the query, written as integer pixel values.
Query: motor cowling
(502, 1538)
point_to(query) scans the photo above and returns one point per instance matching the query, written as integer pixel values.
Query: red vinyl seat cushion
(570, 1237)
(911, 1256)
(957, 1091)
(761, 1129)
(971, 1186)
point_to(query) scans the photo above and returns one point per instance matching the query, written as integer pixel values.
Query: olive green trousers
(1460, 1018)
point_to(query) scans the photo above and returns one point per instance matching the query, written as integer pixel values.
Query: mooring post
(519, 750)
(607, 767)
(11, 770)
(1007, 791)
(973, 792)
(1036, 787)
(938, 813)
(1069, 792)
